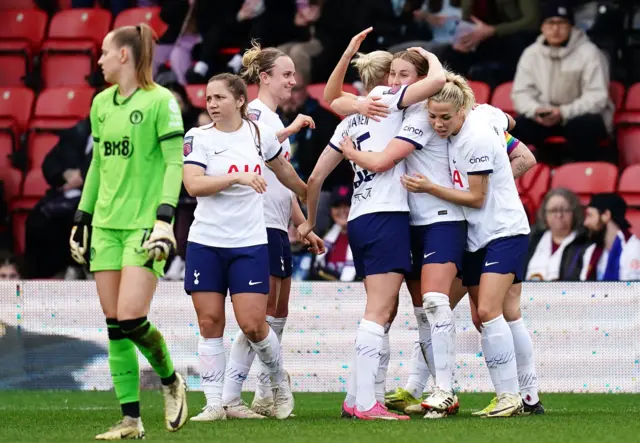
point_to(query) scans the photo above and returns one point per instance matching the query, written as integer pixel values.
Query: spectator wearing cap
(561, 88)
(615, 253)
(337, 262)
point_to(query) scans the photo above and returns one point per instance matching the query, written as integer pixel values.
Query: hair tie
(139, 29)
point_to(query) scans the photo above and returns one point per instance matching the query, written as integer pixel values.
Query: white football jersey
(431, 159)
(277, 199)
(481, 148)
(383, 191)
(234, 217)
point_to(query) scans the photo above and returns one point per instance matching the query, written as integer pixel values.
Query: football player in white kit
(227, 249)
(438, 240)
(274, 71)
(378, 219)
(497, 225)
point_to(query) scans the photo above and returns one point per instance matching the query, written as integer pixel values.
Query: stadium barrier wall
(586, 336)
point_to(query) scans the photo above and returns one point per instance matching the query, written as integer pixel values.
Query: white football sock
(352, 387)
(525, 361)
(269, 353)
(211, 361)
(381, 376)
(497, 346)
(240, 358)
(278, 326)
(443, 337)
(368, 346)
(422, 364)
(263, 387)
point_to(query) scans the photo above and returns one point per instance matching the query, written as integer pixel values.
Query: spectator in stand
(48, 225)
(615, 253)
(308, 144)
(561, 88)
(8, 267)
(337, 262)
(498, 32)
(559, 237)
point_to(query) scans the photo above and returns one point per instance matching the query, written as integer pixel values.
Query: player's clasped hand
(348, 148)
(417, 183)
(302, 121)
(373, 108)
(252, 179)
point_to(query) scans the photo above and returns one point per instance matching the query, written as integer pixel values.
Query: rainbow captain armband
(512, 142)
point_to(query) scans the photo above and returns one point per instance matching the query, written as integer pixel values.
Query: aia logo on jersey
(122, 148)
(457, 178)
(187, 146)
(234, 168)
(393, 89)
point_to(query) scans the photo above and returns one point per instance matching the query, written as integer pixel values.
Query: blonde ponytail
(141, 40)
(257, 60)
(372, 67)
(457, 92)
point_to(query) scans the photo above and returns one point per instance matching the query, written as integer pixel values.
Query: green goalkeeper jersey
(137, 157)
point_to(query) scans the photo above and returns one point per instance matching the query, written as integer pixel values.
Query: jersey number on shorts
(363, 174)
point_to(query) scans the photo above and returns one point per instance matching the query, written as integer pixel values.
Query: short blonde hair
(372, 67)
(456, 91)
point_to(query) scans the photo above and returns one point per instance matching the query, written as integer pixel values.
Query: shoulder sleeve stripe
(170, 135)
(485, 172)
(275, 156)
(191, 162)
(417, 145)
(335, 147)
(401, 97)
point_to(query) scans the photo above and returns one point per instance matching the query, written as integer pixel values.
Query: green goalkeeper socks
(125, 373)
(152, 345)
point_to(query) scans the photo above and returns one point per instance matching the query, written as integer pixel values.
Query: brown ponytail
(141, 41)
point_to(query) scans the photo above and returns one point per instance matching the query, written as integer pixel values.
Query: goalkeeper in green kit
(129, 198)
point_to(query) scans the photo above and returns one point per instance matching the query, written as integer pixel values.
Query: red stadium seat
(532, 187)
(616, 92)
(35, 184)
(12, 182)
(252, 92)
(629, 186)
(196, 94)
(16, 104)
(481, 90)
(586, 178)
(632, 101)
(21, 33)
(628, 138)
(135, 16)
(502, 98)
(40, 144)
(6, 149)
(17, 4)
(317, 91)
(633, 217)
(70, 52)
(61, 105)
(19, 209)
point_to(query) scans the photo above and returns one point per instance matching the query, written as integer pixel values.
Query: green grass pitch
(38, 416)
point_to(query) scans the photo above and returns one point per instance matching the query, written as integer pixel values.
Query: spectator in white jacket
(561, 88)
(615, 253)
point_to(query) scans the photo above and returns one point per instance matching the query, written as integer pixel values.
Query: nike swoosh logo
(220, 152)
(176, 423)
(429, 254)
(253, 283)
(492, 263)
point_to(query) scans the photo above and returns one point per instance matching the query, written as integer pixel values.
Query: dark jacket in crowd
(571, 262)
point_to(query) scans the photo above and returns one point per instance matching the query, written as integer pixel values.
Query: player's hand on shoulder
(251, 179)
(372, 107)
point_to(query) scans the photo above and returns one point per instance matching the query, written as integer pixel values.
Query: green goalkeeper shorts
(112, 249)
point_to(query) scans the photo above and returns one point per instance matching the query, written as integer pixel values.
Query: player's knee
(253, 329)
(487, 313)
(512, 313)
(211, 326)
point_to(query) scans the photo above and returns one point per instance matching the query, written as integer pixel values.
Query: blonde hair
(419, 62)
(141, 40)
(372, 67)
(456, 91)
(257, 60)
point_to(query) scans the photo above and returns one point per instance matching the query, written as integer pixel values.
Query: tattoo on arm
(485, 184)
